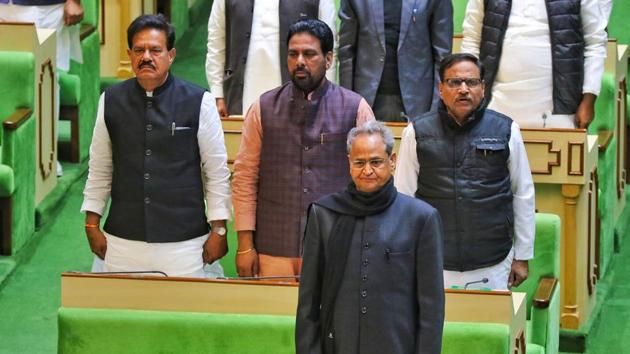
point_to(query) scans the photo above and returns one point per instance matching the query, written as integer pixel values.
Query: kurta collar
(158, 90)
(453, 124)
(314, 95)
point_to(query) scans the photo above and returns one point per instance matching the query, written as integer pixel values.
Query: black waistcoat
(156, 192)
(238, 27)
(464, 175)
(567, 49)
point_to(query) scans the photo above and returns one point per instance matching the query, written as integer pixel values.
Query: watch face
(221, 231)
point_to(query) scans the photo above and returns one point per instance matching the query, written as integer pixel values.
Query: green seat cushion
(130, 331)
(69, 88)
(64, 131)
(475, 338)
(7, 181)
(535, 349)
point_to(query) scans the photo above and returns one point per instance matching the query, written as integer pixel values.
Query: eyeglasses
(457, 82)
(374, 163)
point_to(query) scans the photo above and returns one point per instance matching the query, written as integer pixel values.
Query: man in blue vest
(154, 138)
(470, 164)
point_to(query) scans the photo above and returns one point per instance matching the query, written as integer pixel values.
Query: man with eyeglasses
(470, 163)
(372, 272)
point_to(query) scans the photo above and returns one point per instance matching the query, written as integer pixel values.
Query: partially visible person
(155, 137)
(60, 15)
(389, 51)
(291, 148)
(247, 48)
(470, 163)
(544, 59)
(371, 279)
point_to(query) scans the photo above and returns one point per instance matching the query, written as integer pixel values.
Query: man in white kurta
(263, 68)
(523, 87)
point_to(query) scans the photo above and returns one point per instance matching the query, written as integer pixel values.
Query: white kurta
(262, 70)
(523, 88)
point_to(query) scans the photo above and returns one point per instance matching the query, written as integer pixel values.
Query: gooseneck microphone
(481, 281)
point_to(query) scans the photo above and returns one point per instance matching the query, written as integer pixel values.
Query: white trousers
(177, 259)
(497, 276)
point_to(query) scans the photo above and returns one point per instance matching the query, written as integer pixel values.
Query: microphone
(268, 277)
(481, 281)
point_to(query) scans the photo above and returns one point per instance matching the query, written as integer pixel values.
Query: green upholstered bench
(17, 160)
(97, 331)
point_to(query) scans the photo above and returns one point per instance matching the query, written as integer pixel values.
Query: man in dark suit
(371, 280)
(389, 52)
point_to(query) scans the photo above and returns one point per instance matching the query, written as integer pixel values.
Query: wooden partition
(24, 37)
(80, 290)
(564, 167)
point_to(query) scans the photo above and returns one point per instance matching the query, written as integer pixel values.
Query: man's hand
(96, 237)
(222, 108)
(247, 261)
(216, 245)
(518, 274)
(97, 240)
(72, 12)
(586, 111)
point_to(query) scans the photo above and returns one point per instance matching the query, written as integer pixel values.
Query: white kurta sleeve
(523, 202)
(213, 161)
(328, 14)
(215, 59)
(99, 182)
(407, 167)
(473, 21)
(595, 37)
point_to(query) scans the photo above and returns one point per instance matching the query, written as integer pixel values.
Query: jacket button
(364, 278)
(365, 262)
(364, 293)
(306, 147)
(147, 176)
(148, 152)
(149, 104)
(147, 200)
(305, 190)
(364, 310)
(366, 245)
(149, 127)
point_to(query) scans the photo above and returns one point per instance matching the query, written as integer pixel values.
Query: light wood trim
(580, 170)
(551, 130)
(550, 150)
(604, 137)
(175, 279)
(545, 289)
(17, 118)
(45, 173)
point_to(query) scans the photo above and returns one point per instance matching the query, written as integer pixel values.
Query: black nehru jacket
(157, 191)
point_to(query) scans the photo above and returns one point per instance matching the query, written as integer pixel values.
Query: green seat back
(546, 261)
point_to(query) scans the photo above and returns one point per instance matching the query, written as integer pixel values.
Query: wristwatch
(221, 231)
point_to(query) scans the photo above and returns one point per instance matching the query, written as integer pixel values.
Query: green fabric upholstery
(535, 349)
(475, 338)
(544, 324)
(179, 17)
(90, 12)
(459, 10)
(69, 88)
(125, 331)
(7, 181)
(129, 331)
(604, 106)
(228, 261)
(18, 147)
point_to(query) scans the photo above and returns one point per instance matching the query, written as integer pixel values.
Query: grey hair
(371, 128)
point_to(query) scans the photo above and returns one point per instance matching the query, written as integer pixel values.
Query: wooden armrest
(17, 118)
(603, 139)
(544, 292)
(86, 30)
